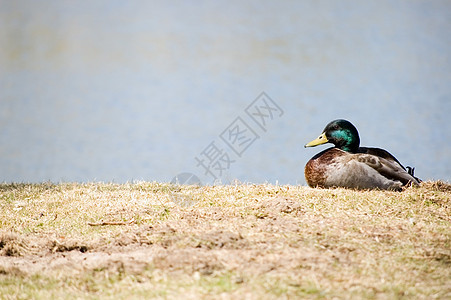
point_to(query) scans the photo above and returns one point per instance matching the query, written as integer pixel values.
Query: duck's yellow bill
(322, 139)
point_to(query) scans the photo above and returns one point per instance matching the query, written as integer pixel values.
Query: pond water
(144, 90)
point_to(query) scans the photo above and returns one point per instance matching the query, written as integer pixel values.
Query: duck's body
(348, 165)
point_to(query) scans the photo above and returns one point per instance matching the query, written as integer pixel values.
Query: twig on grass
(104, 223)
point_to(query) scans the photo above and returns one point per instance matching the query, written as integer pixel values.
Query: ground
(154, 240)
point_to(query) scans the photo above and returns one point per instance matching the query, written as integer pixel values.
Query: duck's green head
(341, 133)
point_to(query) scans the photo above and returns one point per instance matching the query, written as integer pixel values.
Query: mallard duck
(348, 165)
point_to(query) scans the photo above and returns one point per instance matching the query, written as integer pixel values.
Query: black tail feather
(411, 171)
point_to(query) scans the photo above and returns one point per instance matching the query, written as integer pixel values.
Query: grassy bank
(235, 242)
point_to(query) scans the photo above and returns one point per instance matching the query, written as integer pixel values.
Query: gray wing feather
(387, 168)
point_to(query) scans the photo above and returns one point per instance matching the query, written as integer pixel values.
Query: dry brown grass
(232, 242)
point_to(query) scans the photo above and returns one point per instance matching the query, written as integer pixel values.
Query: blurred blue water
(121, 91)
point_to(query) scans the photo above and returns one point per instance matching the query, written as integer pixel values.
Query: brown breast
(316, 168)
